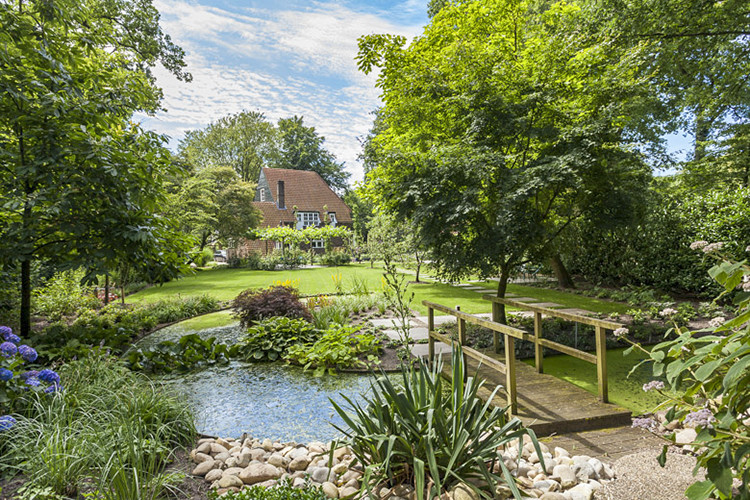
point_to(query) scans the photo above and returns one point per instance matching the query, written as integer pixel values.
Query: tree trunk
(106, 289)
(561, 273)
(25, 298)
(419, 265)
(502, 287)
(702, 131)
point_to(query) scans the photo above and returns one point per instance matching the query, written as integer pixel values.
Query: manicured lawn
(623, 390)
(225, 284)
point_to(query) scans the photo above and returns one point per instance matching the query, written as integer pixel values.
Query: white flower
(713, 247)
(667, 312)
(620, 332)
(748, 248)
(657, 385)
(717, 322)
(698, 245)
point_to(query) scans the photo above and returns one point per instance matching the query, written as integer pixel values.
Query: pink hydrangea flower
(698, 245)
(620, 332)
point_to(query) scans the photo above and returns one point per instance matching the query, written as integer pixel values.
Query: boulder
(581, 492)
(204, 468)
(230, 482)
(464, 492)
(330, 490)
(348, 491)
(565, 475)
(213, 475)
(258, 473)
(299, 464)
(685, 436)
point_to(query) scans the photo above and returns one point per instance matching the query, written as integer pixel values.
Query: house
(295, 198)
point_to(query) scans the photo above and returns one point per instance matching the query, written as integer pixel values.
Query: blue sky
(280, 58)
(283, 59)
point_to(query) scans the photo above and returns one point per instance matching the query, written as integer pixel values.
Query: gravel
(639, 477)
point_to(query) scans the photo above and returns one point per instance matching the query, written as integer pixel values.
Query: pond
(270, 400)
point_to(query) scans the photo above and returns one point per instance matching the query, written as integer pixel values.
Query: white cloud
(282, 62)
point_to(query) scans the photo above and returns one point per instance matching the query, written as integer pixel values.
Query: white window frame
(262, 194)
(316, 244)
(307, 219)
(332, 218)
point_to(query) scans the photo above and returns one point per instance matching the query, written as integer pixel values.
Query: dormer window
(332, 218)
(307, 219)
(262, 194)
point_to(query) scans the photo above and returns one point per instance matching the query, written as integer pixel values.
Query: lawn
(225, 284)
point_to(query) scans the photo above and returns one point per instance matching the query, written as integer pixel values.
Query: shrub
(332, 259)
(190, 353)
(63, 295)
(338, 347)
(110, 429)
(416, 431)
(203, 257)
(254, 305)
(270, 339)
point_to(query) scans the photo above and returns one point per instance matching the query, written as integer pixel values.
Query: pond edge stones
(233, 464)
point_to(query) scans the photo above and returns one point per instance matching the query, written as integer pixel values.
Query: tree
(245, 141)
(502, 127)
(301, 148)
(80, 182)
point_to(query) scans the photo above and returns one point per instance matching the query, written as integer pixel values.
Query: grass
(623, 390)
(212, 320)
(225, 284)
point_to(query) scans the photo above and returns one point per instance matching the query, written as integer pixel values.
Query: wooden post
(538, 349)
(601, 363)
(510, 373)
(431, 340)
(496, 319)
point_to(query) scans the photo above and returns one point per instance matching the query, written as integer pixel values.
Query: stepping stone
(549, 305)
(573, 310)
(388, 322)
(465, 285)
(525, 299)
(439, 320)
(422, 350)
(483, 291)
(419, 333)
(475, 288)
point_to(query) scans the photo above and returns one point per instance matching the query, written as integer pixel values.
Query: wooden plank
(472, 353)
(462, 342)
(538, 347)
(489, 324)
(430, 340)
(610, 325)
(601, 363)
(510, 373)
(496, 319)
(570, 351)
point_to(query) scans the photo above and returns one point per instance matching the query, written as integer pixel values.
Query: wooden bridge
(543, 402)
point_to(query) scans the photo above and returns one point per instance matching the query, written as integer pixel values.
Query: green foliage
(335, 259)
(110, 428)
(64, 295)
(422, 433)
(255, 305)
(270, 339)
(283, 491)
(190, 353)
(711, 371)
(115, 327)
(203, 257)
(338, 347)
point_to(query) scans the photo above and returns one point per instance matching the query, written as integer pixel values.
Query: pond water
(266, 400)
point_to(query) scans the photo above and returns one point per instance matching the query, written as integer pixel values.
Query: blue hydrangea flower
(5, 330)
(8, 349)
(28, 353)
(49, 376)
(12, 338)
(6, 422)
(53, 388)
(29, 374)
(33, 382)
(5, 374)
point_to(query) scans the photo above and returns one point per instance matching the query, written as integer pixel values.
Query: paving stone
(439, 320)
(524, 299)
(418, 333)
(576, 311)
(388, 322)
(551, 305)
(422, 350)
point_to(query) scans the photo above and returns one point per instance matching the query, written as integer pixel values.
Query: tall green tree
(245, 141)
(302, 148)
(502, 127)
(80, 182)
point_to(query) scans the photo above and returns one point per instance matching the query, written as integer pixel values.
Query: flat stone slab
(465, 285)
(418, 333)
(550, 305)
(439, 320)
(573, 310)
(423, 350)
(388, 322)
(525, 299)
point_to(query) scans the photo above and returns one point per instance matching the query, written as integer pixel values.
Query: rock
(268, 484)
(348, 491)
(352, 483)
(231, 462)
(202, 457)
(565, 475)
(608, 472)
(584, 472)
(351, 474)
(317, 449)
(523, 469)
(235, 450)
(204, 468)
(581, 492)
(297, 453)
(330, 490)
(204, 447)
(595, 485)
(216, 448)
(244, 458)
(561, 452)
(525, 482)
(223, 456)
(340, 452)
(278, 460)
(322, 474)
(402, 490)
(598, 466)
(685, 436)
(464, 492)
(257, 473)
(223, 443)
(258, 454)
(580, 460)
(549, 465)
(553, 496)
(213, 475)
(230, 481)
(340, 468)
(298, 464)
(534, 458)
(298, 482)
(278, 446)
(544, 486)
(267, 445)
(233, 471)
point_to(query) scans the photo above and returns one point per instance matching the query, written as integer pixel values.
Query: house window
(316, 244)
(332, 218)
(277, 245)
(307, 219)
(262, 194)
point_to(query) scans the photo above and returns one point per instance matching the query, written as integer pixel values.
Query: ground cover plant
(270, 339)
(189, 353)
(338, 346)
(110, 433)
(431, 434)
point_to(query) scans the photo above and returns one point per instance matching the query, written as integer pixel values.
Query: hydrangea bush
(15, 377)
(710, 371)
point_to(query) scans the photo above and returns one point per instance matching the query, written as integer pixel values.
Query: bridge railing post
(510, 373)
(430, 338)
(538, 349)
(496, 319)
(601, 363)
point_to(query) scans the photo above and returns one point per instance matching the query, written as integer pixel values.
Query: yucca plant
(432, 434)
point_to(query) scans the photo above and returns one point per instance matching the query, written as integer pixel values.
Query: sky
(281, 58)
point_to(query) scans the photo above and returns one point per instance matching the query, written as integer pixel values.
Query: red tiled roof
(305, 190)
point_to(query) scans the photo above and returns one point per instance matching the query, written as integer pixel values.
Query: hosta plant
(270, 339)
(423, 434)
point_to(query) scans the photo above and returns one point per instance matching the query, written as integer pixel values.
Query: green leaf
(737, 371)
(700, 490)
(662, 458)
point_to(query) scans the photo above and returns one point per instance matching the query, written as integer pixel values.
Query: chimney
(280, 195)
